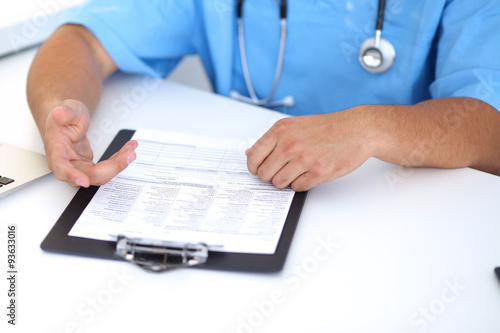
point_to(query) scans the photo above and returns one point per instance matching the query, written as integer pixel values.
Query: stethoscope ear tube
(376, 55)
(287, 101)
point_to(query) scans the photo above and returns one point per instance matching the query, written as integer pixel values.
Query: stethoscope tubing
(375, 45)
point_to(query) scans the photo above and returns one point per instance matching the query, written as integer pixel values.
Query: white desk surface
(417, 257)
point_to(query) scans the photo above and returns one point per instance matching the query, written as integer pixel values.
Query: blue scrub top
(444, 48)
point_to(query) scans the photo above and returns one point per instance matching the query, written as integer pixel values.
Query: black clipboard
(59, 241)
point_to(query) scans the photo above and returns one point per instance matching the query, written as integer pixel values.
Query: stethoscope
(287, 101)
(376, 55)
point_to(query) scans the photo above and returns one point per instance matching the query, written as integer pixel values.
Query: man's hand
(309, 150)
(453, 132)
(68, 151)
(64, 84)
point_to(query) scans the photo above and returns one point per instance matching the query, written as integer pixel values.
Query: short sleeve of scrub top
(444, 48)
(468, 51)
(146, 37)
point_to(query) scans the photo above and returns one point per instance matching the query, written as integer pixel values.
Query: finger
(305, 182)
(71, 115)
(104, 171)
(128, 146)
(66, 171)
(61, 153)
(67, 123)
(272, 164)
(316, 173)
(65, 115)
(285, 151)
(288, 174)
(83, 172)
(260, 151)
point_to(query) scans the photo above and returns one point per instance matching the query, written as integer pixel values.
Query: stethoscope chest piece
(377, 54)
(375, 58)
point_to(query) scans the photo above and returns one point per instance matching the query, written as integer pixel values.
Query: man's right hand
(68, 150)
(64, 84)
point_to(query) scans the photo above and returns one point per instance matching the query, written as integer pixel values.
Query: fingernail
(79, 182)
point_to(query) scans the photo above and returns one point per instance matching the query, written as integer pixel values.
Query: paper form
(188, 189)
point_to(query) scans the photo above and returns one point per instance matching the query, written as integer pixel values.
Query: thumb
(70, 112)
(64, 115)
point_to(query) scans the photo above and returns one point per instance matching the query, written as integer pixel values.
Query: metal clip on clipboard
(159, 256)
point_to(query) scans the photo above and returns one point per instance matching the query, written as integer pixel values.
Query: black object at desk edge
(59, 241)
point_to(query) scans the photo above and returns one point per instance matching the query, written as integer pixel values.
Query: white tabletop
(384, 249)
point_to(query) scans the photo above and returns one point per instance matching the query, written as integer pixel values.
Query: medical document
(188, 189)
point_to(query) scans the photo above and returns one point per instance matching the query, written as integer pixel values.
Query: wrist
(379, 139)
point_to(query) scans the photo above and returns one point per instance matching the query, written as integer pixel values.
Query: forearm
(71, 64)
(445, 133)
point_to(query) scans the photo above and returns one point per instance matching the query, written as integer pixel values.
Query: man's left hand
(306, 151)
